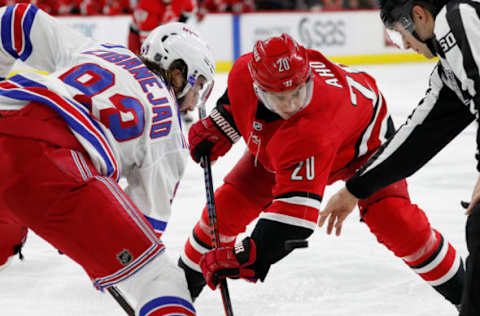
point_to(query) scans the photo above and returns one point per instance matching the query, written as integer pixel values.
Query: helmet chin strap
(431, 45)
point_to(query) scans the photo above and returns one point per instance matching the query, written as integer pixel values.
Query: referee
(451, 31)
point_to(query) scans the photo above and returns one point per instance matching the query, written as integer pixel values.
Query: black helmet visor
(398, 21)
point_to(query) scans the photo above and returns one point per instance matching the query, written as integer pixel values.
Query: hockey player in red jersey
(234, 6)
(100, 115)
(307, 123)
(148, 14)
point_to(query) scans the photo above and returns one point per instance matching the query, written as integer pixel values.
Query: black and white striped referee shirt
(450, 104)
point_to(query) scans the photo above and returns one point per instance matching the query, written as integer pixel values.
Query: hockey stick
(212, 214)
(118, 297)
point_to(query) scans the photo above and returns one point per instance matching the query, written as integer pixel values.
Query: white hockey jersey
(122, 114)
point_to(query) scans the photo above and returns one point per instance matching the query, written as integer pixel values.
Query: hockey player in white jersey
(66, 138)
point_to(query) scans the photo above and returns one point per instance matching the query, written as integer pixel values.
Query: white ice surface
(350, 275)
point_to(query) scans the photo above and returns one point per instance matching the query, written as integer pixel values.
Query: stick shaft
(212, 214)
(118, 297)
(214, 233)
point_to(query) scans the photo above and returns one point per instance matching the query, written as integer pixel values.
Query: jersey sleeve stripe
(25, 82)
(379, 130)
(16, 25)
(7, 31)
(27, 27)
(83, 126)
(362, 146)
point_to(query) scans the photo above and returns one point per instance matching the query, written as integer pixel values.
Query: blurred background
(348, 31)
(352, 275)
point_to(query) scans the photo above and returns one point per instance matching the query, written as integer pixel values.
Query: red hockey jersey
(328, 140)
(148, 14)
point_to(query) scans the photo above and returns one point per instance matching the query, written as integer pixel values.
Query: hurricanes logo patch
(125, 257)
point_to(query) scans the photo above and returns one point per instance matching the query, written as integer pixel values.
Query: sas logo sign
(316, 33)
(447, 42)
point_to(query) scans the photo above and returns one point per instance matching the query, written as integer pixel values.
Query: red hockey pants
(57, 193)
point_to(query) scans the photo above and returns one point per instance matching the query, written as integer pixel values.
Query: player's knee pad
(159, 288)
(397, 223)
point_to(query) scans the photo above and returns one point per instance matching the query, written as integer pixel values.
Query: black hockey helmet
(400, 11)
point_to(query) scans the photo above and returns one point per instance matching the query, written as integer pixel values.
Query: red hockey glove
(229, 262)
(212, 136)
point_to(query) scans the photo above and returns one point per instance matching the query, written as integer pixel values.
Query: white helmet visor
(290, 101)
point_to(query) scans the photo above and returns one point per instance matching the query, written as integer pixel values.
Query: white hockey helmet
(174, 41)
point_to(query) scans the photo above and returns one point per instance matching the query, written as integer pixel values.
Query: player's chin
(186, 107)
(287, 115)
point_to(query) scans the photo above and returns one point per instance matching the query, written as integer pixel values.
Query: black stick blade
(295, 243)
